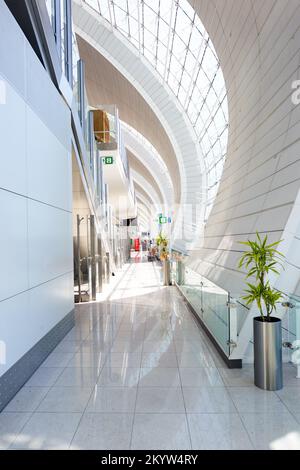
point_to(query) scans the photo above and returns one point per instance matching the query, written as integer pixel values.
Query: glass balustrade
(224, 316)
(291, 329)
(211, 303)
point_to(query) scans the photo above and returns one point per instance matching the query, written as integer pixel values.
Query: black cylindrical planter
(267, 353)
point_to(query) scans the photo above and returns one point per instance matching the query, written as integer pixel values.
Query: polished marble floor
(137, 373)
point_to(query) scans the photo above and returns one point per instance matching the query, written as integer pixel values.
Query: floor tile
(93, 347)
(208, 400)
(78, 377)
(238, 377)
(158, 346)
(158, 335)
(186, 346)
(134, 336)
(291, 398)
(10, 425)
(44, 377)
(124, 359)
(159, 377)
(131, 369)
(47, 431)
(65, 400)
(76, 335)
(290, 376)
(189, 334)
(67, 346)
(119, 377)
(200, 377)
(57, 359)
(272, 430)
(160, 400)
(112, 399)
(159, 359)
(160, 431)
(88, 359)
(253, 399)
(104, 431)
(218, 432)
(127, 346)
(27, 399)
(297, 416)
(192, 359)
(219, 362)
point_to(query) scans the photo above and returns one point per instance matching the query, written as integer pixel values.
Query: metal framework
(171, 36)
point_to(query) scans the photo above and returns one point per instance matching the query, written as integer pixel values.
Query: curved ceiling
(191, 180)
(146, 196)
(172, 38)
(150, 158)
(136, 165)
(142, 185)
(106, 85)
(143, 196)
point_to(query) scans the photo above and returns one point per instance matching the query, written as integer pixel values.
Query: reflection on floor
(136, 372)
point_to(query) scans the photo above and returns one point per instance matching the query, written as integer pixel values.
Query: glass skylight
(171, 36)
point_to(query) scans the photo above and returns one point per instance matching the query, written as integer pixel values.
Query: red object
(137, 244)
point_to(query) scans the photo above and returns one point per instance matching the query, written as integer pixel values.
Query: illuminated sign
(108, 160)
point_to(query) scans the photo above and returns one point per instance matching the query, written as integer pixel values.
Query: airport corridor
(136, 372)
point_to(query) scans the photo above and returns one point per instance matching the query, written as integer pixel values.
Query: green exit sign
(108, 160)
(163, 220)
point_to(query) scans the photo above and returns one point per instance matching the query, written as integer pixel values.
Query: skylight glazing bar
(111, 6)
(173, 29)
(171, 36)
(169, 41)
(139, 23)
(157, 31)
(143, 25)
(193, 78)
(128, 22)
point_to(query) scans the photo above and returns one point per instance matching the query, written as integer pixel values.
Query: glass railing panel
(210, 303)
(191, 288)
(215, 313)
(291, 329)
(241, 313)
(122, 151)
(75, 74)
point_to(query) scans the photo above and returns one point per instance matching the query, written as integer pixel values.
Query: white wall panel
(56, 296)
(258, 47)
(12, 39)
(44, 98)
(13, 242)
(12, 129)
(36, 278)
(26, 318)
(16, 328)
(49, 247)
(49, 165)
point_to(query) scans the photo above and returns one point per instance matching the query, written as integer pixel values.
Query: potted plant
(162, 243)
(260, 260)
(161, 240)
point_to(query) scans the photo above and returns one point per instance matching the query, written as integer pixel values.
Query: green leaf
(261, 259)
